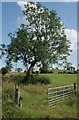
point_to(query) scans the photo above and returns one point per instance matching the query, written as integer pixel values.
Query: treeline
(57, 71)
(4, 70)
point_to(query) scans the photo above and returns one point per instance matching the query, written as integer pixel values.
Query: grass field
(61, 79)
(35, 104)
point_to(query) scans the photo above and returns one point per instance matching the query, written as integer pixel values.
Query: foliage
(18, 78)
(36, 72)
(42, 39)
(34, 79)
(64, 71)
(44, 80)
(2, 49)
(67, 65)
(9, 66)
(4, 70)
(50, 71)
(75, 72)
(19, 69)
(44, 69)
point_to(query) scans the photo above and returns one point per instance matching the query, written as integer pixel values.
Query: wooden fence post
(18, 98)
(20, 102)
(74, 88)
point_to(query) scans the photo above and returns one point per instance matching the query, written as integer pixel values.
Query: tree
(71, 68)
(8, 65)
(67, 65)
(4, 70)
(7, 68)
(42, 39)
(19, 69)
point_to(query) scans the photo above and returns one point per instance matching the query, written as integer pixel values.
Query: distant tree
(67, 65)
(42, 40)
(8, 65)
(56, 68)
(4, 70)
(19, 69)
(71, 68)
(7, 68)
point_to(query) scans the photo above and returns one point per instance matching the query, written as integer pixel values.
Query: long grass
(35, 103)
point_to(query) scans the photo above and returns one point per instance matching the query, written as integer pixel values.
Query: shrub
(50, 71)
(64, 72)
(59, 72)
(44, 80)
(4, 70)
(70, 72)
(75, 72)
(18, 78)
(36, 72)
(30, 79)
(34, 79)
(43, 70)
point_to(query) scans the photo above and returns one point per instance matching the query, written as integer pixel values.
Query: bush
(44, 80)
(70, 72)
(43, 70)
(50, 71)
(18, 78)
(4, 70)
(35, 79)
(36, 72)
(64, 72)
(59, 72)
(30, 79)
(75, 72)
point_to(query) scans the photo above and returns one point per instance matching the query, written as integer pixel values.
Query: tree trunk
(29, 72)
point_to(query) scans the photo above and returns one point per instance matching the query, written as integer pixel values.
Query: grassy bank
(35, 104)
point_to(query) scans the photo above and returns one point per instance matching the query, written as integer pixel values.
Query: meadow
(34, 99)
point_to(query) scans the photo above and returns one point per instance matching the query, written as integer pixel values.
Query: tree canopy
(42, 39)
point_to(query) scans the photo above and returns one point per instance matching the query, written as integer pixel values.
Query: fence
(18, 97)
(57, 94)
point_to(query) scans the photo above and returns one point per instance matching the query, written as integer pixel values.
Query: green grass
(61, 79)
(35, 104)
